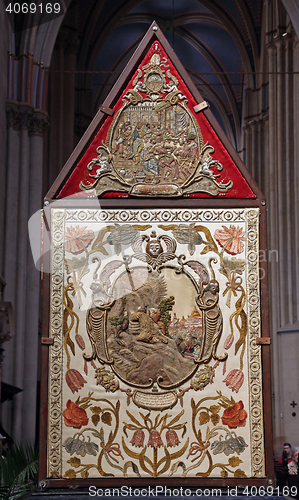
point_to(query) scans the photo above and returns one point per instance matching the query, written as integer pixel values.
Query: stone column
(24, 197)
(32, 342)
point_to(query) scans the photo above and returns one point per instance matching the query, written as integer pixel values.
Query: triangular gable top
(154, 136)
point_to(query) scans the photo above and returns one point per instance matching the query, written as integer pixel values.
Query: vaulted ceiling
(217, 41)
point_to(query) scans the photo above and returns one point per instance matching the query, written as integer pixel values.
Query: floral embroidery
(77, 239)
(138, 438)
(230, 239)
(234, 416)
(74, 416)
(203, 378)
(234, 379)
(154, 440)
(172, 439)
(106, 379)
(186, 234)
(74, 380)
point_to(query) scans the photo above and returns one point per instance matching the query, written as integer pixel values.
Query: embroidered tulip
(172, 438)
(234, 416)
(154, 440)
(138, 438)
(74, 380)
(234, 379)
(230, 238)
(74, 416)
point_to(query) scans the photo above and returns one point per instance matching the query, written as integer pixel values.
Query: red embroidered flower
(74, 416)
(234, 379)
(172, 438)
(76, 238)
(231, 238)
(234, 416)
(154, 440)
(74, 380)
(138, 438)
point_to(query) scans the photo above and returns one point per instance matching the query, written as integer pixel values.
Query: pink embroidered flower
(154, 440)
(74, 416)
(74, 380)
(231, 239)
(76, 238)
(138, 438)
(172, 438)
(234, 416)
(234, 379)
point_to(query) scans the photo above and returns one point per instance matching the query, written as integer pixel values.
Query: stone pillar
(31, 347)
(24, 197)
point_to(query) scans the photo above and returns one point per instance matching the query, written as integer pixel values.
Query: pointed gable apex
(154, 136)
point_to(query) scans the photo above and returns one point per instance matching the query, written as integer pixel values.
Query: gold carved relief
(154, 146)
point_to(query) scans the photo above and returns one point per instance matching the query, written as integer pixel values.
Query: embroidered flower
(74, 416)
(234, 416)
(138, 438)
(106, 379)
(172, 438)
(154, 440)
(74, 380)
(77, 239)
(203, 378)
(231, 239)
(186, 234)
(121, 235)
(234, 379)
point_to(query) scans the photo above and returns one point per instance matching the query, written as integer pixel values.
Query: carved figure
(149, 330)
(207, 302)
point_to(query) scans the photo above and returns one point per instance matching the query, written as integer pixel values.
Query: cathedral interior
(57, 69)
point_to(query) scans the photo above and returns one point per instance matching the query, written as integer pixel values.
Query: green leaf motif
(75, 264)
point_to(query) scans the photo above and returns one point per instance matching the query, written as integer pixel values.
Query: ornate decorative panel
(155, 370)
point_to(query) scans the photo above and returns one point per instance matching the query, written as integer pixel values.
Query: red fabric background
(240, 188)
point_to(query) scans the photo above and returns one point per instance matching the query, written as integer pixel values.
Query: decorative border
(99, 215)
(251, 218)
(54, 465)
(254, 351)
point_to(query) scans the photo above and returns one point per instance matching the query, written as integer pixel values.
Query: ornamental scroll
(155, 371)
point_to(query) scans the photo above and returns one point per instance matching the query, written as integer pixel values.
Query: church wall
(271, 156)
(3, 85)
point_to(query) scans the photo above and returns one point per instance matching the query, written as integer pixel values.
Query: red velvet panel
(240, 189)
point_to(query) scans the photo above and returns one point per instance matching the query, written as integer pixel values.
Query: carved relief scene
(159, 363)
(154, 145)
